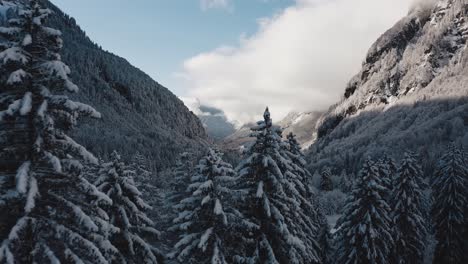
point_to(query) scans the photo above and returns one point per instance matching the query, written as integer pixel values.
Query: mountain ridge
(412, 85)
(136, 109)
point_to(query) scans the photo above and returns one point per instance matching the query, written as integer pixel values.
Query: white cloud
(300, 59)
(210, 4)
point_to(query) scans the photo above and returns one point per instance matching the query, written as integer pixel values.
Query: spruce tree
(450, 197)
(408, 218)
(144, 178)
(47, 216)
(180, 179)
(326, 183)
(364, 229)
(302, 177)
(204, 215)
(140, 165)
(270, 200)
(391, 164)
(127, 212)
(346, 182)
(324, 237)
(309, 223)
(387, 172)
(145, 182)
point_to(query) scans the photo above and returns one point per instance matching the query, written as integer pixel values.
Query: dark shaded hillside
(138, 113)
(424, 127)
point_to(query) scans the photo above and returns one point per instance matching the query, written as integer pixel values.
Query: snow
(54, 161)
(206, 200)
(85, 154)
(52, 31)
(185, 240)
(13, 54)
(50, 254)
(9, 30)
(12, 109)
(71, 86)
(16, 77)
(204, 239)
(21, 224)
(22, 176)
(266, 206)
(61, 70)
(218, 208)
(73, 256)
(26, 104)
(81, 216)
(259, 193)
(57, 68)
(42, 109)
(32, 194)
(204, 186)
(217, 257)
(76, 239)
(124, 217)
(83, 108)
(27, 40)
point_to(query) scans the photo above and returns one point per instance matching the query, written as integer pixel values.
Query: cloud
(299, 59)
(424, 3)
(212, 4)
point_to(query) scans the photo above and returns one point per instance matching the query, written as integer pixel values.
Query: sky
(242, 55)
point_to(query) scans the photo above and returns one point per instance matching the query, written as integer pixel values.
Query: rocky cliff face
(138, 113)
(302, 125)
(411, 93)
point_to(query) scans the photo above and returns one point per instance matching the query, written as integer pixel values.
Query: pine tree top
(203, 218)
(364, 228)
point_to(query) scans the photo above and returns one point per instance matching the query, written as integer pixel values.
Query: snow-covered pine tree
(180, 179)
(178, 182)
(309, 223)
(326, 183)
(140, 165)
(346, 182)
(407, 215)
(146, 182)
(264, 197)
(203, 216)
(144, 177)
(364, 229)
(44, 199)
(450, 198)
(127, 212)
(316, 179)
(325, 241)
(303, 177)
(391, 164)
(387, 172)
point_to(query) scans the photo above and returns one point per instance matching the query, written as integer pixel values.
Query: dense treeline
(392, 213)
(135, 108)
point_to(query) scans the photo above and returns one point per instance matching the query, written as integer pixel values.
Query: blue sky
(242, 55)
(158, 35)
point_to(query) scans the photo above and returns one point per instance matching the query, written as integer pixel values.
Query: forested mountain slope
(137, 112)
(411, 94)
